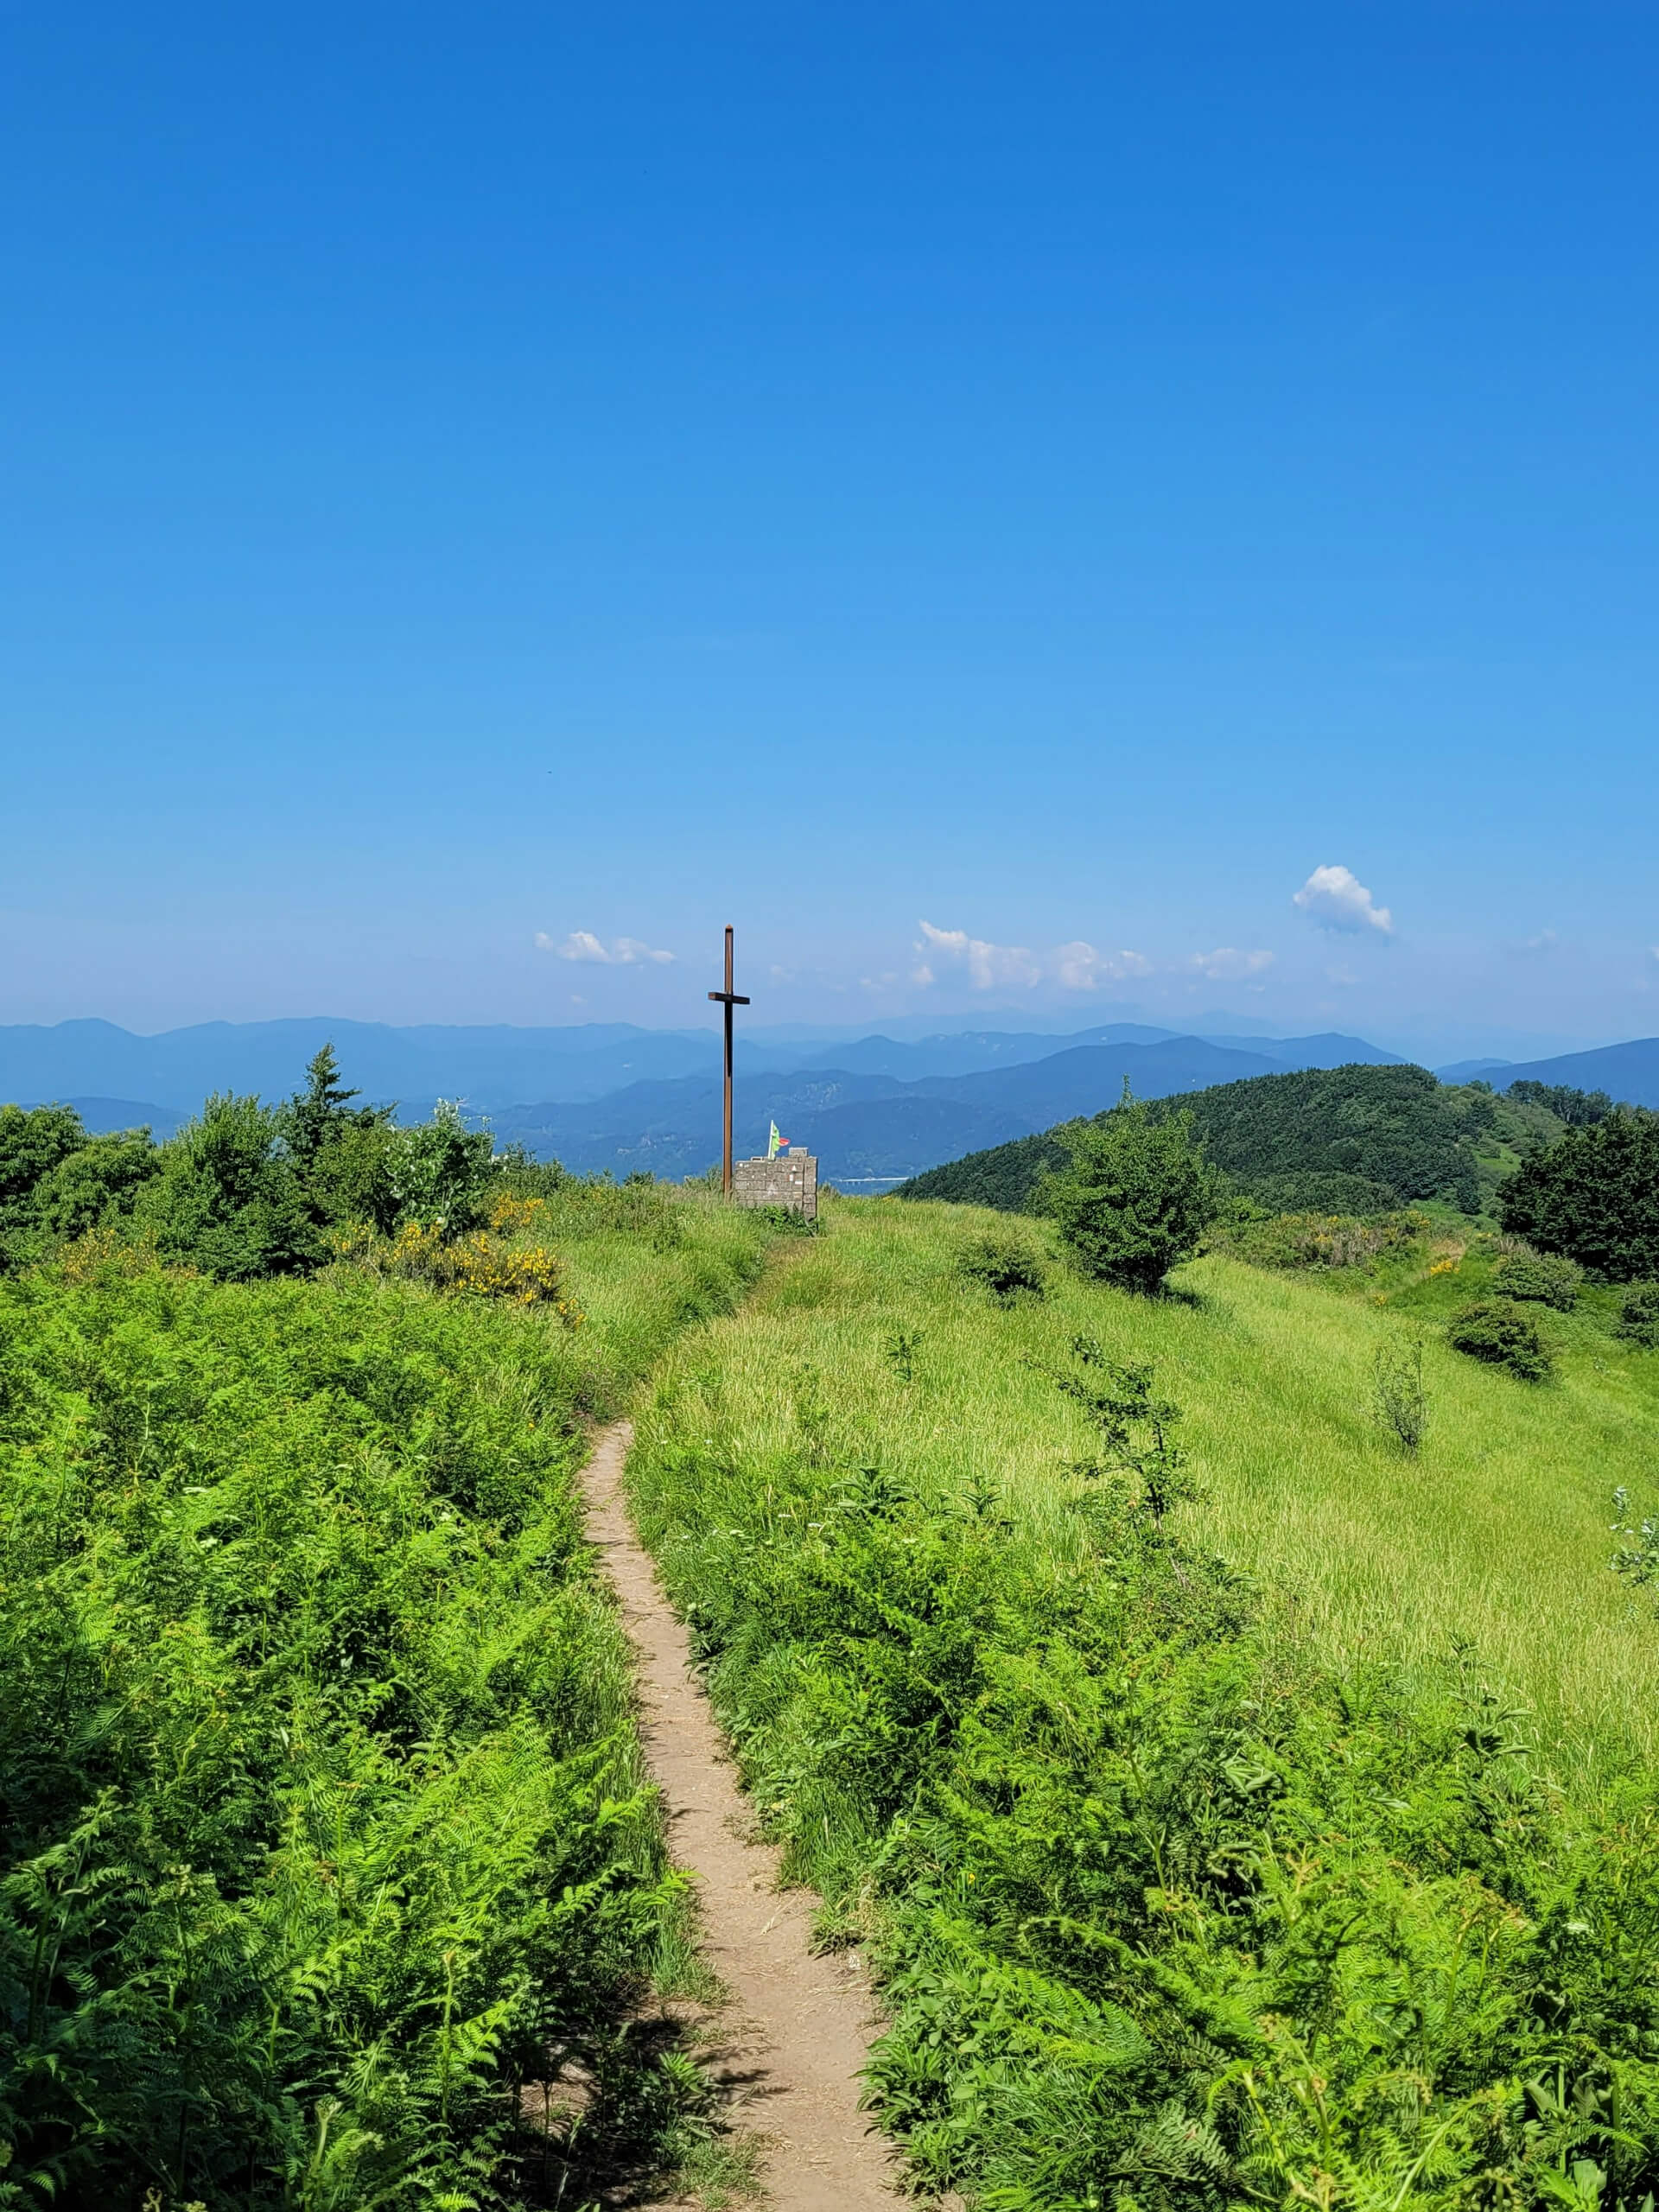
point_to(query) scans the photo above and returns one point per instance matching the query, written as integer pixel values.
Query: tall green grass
(324, 1834)
(1298, 1850)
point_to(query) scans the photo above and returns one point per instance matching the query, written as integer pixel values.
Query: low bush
(1318, 1240)
(1008, 1267)
(1638, 1314)
(1539, 1277)
(1497, 1330)
(485, 1266)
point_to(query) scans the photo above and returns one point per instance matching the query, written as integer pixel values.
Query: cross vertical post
(728, 998)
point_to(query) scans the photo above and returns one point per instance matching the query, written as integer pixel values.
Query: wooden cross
(728, 998)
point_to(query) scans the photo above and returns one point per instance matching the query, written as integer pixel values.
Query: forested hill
(1348, 1139)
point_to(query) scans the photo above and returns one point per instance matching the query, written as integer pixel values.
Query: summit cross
(728, 998)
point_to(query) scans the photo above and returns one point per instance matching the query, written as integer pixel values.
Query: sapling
(1402, 1400)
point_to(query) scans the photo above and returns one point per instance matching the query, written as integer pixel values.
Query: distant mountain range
(607, 1096)
(1629, 1073)
(497, 1065)
(868, 1127)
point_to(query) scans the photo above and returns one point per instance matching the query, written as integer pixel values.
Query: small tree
(225, 1198)
(1135, 1196)
(343, 1154)
(441, 1170)
(1402, 1400)
(318, 1115)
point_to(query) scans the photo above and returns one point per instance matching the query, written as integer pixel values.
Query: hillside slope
(1183, 1834)
(1348, 1139)
(863, 1124)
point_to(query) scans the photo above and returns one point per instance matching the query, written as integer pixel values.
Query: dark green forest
(1352, 1140)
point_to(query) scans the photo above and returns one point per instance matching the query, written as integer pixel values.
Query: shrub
(1134, 1197)
(513, 1212)
(479, 1264)
(1318, 1240)
(1497, 1330)
(55, 1181)
(1402, 1400)
(226, 1198)
(1594, 1197)
(1005, 1266)
(1638, 1314)
(1542, 1278)
(439, 1170)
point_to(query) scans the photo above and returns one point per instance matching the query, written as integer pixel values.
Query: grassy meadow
(1496, 1536)
(1173, 1837)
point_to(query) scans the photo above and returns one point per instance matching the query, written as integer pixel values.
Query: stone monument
(790, 1178)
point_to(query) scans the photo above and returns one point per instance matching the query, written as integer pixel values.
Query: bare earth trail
(799, 2026)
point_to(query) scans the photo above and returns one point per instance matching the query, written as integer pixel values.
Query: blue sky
(482, 483)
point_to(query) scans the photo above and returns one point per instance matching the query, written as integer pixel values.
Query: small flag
(773, 1143)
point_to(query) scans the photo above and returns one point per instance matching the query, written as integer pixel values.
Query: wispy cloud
(987, 964)
(1077, 966)
(1227, 965)
(582, 945)
(1335, 897)
(1535, 948)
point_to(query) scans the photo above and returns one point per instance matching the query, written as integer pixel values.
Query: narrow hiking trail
(798, 2026)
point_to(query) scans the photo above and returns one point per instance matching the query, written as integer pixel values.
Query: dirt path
(800, 2025)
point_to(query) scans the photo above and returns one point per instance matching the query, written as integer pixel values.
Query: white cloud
(1336, 898)
(1078, 967)
(582, 945)
(987, 964)
(1228, 965)
(1075, 966)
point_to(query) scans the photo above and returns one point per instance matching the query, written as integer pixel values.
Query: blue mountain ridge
(1629, 1072)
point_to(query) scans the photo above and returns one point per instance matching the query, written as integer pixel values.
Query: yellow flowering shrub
(510, 1215)
(480, 1264)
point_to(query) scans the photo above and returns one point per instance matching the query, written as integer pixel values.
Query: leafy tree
(1579, 1109)
(56, 1181)
(1134, 1197)
(33, 1142)
(98, 1183)
(1594, 1197)
(227, 1198)
(441, 1169)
